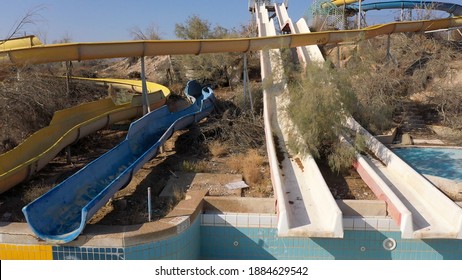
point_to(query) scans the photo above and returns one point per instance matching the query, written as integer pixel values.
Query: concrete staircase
(415, 118)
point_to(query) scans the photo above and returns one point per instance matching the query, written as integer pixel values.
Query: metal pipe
(338, 56)
(245, 78)
(249, 90)
(144, 87)
(149, 204)
(68, 155)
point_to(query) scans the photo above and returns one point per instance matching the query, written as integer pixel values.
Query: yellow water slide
(20, 42)
(70, 125)
(338, 3)
(89, 51)
(343, 2)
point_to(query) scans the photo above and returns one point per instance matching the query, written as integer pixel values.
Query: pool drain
(389, 244)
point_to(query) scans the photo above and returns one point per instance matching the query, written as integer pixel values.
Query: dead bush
(29, 102)
(249, 164)
(251, 167)
(218, 149)
(33, 192)
(448, 99)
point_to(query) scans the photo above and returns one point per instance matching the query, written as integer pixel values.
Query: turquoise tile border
(87, 253)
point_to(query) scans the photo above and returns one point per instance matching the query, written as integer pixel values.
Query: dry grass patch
(234, 163)
(194, 167)
(218, 149)
(255, 171)
(249, 164)
(251, 167)
(34, 192)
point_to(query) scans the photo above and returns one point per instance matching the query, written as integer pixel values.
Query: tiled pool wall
(254, 236)
(225, 236)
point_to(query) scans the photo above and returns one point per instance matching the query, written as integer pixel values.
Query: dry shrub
(34, 192)
(448, 99)
(382, 84)
(238, 130)
(264, 190)
(341, 158)
(234, 163)
(317, 107)
(249, 164)
(28, 104)
(218, 149)
(251, 167)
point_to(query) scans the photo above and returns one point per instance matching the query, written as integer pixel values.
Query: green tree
(194, 28)
(217, 69)
(318, 105)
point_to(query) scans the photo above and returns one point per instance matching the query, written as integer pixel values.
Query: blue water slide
(450, 8)
(61, 214)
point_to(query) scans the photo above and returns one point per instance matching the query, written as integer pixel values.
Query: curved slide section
(338, 3)
(69, 125)
(450, 8)
(61, 214)
(305, 205)
(133, 85)
(20, 42)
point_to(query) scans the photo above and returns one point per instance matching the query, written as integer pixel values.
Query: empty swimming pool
(441, 162)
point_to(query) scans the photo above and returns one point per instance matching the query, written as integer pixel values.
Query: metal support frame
(149, 204)
(246, 85)
(68, 155)
(68, 76)
(144, 87)
(338, 56)
(389, 56)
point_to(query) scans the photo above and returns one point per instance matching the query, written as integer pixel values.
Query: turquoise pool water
(442, 162)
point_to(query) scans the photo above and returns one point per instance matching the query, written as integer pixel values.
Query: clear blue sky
(111, 20)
